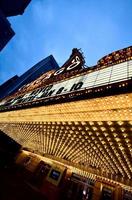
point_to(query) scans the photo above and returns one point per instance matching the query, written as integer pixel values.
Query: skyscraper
(9, 8)
(13, 84)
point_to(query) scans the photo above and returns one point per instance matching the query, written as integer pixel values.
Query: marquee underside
(93, 135)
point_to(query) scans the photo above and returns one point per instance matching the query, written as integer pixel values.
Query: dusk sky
(55, 27)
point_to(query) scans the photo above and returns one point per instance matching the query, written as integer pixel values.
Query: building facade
(74, 126)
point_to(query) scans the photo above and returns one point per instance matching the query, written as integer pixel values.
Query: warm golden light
(94, 134)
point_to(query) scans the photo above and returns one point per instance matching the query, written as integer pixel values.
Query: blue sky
(55, 27)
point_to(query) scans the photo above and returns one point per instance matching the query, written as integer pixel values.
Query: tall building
(15, 83)
(9, 8)
(74, 125)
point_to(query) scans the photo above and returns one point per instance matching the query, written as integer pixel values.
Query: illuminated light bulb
(86, 128)
(112, 129)
(130, 122)
(97, 133)
(83, 123)
(94, 128)
(109, 123)
(83, 133)
(91, 123)
(106, 134)
(129, 145)
(108, 139)
(125, 135)
(100, 123)
(120, 122)
(103, 128)
(122, 129)
(127, 140)
(90, 133)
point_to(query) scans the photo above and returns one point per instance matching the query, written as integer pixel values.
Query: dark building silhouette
(6, 32)
(9, 8)
(13, 84)
(8, 149)
(13, 7)
(6, 85)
